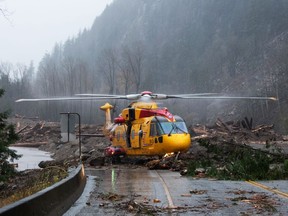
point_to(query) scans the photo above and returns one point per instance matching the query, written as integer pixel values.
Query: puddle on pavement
(130, 183)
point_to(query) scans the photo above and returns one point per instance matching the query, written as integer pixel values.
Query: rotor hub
(146, 93)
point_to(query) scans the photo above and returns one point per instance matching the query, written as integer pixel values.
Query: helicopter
(143, 128)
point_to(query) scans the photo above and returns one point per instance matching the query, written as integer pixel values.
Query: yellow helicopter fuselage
(144, 129)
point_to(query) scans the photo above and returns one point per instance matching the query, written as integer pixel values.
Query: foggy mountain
(175, 47)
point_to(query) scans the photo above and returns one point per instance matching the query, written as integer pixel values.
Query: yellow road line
(283, 194)
(168, 195)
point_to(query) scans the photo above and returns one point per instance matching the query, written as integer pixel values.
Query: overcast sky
(32, 27)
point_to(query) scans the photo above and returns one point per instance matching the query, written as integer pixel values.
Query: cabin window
(155, 129)
(133, 134)
(160, 125)
(152, 129)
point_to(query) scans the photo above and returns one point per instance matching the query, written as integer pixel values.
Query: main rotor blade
(191, 95)
(63, 99)
(164, 96)
(99, 95)
(227, 97)
(84, 97)
(107, 96)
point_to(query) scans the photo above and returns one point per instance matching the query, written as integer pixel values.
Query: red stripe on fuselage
(159, 112)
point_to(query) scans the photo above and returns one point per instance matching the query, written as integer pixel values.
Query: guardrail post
(79, 122)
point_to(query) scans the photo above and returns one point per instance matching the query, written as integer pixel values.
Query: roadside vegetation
(16, 185)
(230, 162)
(29, 182)
(7, 137)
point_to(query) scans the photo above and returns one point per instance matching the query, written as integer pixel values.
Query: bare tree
(6, 68)
(47, 79)
(125, 78)
(69, 75)
(5, 13)
(108, 66)
(134, 62)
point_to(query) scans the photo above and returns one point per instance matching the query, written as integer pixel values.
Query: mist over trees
(16, 80)
(172, 47)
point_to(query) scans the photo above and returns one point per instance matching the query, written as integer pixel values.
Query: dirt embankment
(47, 137)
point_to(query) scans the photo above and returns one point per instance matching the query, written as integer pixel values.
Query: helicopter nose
(180, 142)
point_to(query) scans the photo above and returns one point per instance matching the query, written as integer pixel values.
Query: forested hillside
(175, 46)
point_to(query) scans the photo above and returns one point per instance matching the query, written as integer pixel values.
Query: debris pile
(172, 162)
(215, 145)
(34, 133)
(240, 132)
(259, 201)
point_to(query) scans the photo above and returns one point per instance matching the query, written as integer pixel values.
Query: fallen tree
(233, 150)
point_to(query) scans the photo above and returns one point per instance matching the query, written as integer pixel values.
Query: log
(90, 135)
(30, 144)
(263, 127)
(249, 123)
(224, 125)
(21, 129)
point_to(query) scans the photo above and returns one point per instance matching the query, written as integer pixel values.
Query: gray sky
(33, 27)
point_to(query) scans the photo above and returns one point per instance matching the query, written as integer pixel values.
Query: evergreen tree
(7, 137)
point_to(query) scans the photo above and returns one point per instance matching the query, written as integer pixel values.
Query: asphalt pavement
(134, 190)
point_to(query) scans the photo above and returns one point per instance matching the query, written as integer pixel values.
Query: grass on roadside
(240, 163)
(26, 184)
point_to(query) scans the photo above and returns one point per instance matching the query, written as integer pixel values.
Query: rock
(199, 170)
(84, 150)
(183, 172)
(99, 161)
(84, 157)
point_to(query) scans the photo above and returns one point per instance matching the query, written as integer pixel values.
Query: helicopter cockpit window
(165, 127)
(180, 124)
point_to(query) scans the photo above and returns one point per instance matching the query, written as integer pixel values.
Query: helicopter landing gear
(115, 153)
(116, 159)
(177, 155)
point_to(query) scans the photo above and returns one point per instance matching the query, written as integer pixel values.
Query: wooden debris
(186, 195)
(236, 131)
(29, 144)
(22, 129)
(156, 200)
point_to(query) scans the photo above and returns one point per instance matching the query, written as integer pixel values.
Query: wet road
(122, 190)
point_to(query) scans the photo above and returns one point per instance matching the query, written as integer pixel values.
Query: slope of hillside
(175, 47)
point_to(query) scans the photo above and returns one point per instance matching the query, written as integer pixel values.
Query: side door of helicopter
(135, 136)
